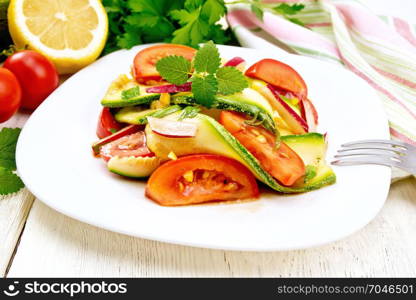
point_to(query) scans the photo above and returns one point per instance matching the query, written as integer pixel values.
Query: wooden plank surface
(13, 210)
(55, 245)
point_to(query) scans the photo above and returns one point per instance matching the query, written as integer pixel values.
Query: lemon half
(71, 33)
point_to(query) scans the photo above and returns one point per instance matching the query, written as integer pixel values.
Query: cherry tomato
(36, 74)
(280, 75)
(10, 94)
(144, 68)
(201, 178)
(107, 125)
(282, 163)
(129, 145)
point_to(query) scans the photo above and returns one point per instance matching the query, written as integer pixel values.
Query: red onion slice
(170, 88)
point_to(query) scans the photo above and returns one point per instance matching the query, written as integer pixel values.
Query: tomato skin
(164, 185)
(144, 68)
(36, 74)
(282, 163)
(280, 75)
(126, 146)
(10, 94)
(107, 125)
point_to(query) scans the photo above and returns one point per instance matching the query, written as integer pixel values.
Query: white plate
(55, 161)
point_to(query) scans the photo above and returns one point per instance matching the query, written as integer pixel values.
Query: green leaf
(8, 141)
(9, 182)
(207, 59)
(230, 80)
(194, 28)
(130, 93)
(213, 10)
(174, 69)
(296, 21)
(287, 9)
(189, 112)
(257, 9)
(204, 89)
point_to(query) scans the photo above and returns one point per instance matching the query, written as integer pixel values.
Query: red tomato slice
(107, 125)
(10, 94)
(144, 68)
(201, 178)
(282, 163)
(129, 145)
(280, 75)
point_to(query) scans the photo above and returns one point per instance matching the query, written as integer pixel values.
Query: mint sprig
(207, 77)
(9, 181)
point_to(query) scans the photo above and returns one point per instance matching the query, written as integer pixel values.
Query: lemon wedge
(71, 33)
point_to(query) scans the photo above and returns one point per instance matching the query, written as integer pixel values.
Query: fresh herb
(189, 22)
(130, 93)
(9, 182)
(189, 112)
(207, 77)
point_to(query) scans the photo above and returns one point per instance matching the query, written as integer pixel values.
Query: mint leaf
(8, 141)
(174, 69)
(130, 93)
(287, 9)
(204, 89)
(207, 59)
(189, 112)
(230, 80)
(9, 182)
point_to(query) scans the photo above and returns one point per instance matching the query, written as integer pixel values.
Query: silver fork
(378, 152)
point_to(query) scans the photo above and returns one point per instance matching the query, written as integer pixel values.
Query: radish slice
(309, 114)
(170, 88)
(173, 129)
(115, 136)
(233, 62)
(295, 122)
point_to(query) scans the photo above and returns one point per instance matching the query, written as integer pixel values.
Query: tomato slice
(107, 125)
(144, 68)
(126, 146)
(282, 163)
(201, 178)
(280, 75)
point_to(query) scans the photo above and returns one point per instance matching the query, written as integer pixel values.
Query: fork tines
(379, 152)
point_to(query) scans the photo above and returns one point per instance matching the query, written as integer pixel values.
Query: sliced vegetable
(132, 145)
(126, 92)
(201, 178)
(107, 125)
(144, 68)
(213, 138)
(138, 115)
(170, 88)
(172, 128)
(234, 62)
(281, 162)
(310, 114)
(96, 147)
(249, 102)
(278, 74)
(290, 116)
(135, 167)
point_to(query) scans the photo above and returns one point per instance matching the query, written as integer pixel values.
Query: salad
(200, 128)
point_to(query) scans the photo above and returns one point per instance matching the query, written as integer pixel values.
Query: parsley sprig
(9, 181)
(205, 72)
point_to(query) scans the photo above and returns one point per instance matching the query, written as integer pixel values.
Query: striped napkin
(379, 49)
